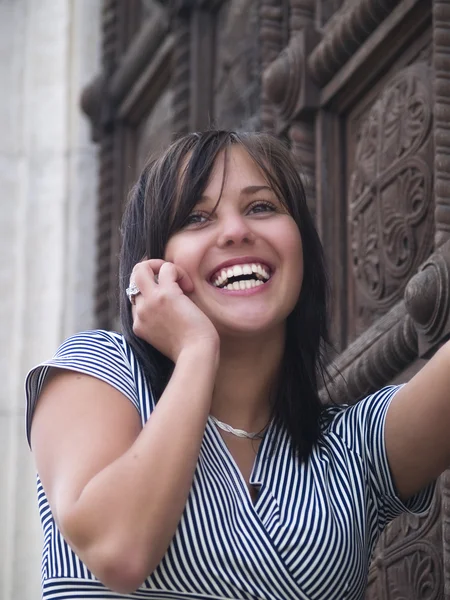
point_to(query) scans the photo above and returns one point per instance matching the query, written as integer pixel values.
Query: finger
(143, 277)
(168, 274)
(132, 291)
(171, 273)
(184, 281)
(154, 263)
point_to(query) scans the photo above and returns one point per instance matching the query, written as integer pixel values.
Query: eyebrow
(253, 189)
(247, 191)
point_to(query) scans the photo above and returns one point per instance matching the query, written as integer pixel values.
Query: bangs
(275, 163)
(194, 172)
(196, 164)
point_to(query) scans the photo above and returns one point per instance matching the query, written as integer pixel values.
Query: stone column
(48, 51)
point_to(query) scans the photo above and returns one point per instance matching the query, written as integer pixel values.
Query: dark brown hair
(159, 206)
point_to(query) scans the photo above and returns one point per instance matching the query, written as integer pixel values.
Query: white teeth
(243, 285)
(221, 279)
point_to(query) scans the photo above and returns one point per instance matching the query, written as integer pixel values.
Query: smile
(241, 277)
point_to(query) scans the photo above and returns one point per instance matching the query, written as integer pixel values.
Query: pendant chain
(237, 432)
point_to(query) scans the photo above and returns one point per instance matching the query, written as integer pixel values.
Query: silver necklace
(237, 432)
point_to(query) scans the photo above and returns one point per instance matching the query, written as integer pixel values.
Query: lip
(240, 260)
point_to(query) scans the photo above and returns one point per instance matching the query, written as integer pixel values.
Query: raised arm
(417, 431)
(116, 490)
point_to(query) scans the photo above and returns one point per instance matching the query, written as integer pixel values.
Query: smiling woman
(191, 457)
(223, 199)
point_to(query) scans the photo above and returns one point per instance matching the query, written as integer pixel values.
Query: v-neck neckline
(256, 471)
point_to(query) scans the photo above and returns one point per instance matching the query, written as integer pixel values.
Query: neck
(246, 377)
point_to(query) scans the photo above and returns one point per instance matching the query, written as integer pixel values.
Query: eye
(262, 206)
(196, 218)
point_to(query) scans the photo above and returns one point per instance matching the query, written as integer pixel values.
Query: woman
(191, 457)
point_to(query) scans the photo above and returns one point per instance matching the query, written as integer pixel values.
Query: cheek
(292, 248)
(184, 253)
(174, 248)
(293, 253)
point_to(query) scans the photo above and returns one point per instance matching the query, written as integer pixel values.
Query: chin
(250, 328)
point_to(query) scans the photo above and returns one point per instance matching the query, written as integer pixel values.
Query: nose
(234, 231)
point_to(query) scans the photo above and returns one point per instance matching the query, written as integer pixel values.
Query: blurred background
(358, 89)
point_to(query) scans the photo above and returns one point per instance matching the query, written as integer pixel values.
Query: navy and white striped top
(310, 534)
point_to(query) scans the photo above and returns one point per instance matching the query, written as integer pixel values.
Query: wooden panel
(358, 207)
(154, 131)
(389, 191)
(376, 157)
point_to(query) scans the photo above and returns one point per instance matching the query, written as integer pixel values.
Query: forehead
(234, 169)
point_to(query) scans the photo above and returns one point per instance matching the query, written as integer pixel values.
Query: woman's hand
(163, 315)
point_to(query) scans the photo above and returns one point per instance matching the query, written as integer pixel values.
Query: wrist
(204, 352)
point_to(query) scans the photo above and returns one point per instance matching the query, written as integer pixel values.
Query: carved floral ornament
(407, 561)
(390, 195)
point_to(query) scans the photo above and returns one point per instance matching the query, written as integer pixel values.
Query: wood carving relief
(427, 300)
(181, 73)
(407, 562)
(325, 10)
(441, 64)
(390, 193)
(237, 89)
(292, 94)
(301, 16)
(302, 130)
(271, 38)
(347, 31)
(445, 478)
(105, 305)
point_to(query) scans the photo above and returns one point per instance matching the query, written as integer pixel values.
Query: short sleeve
(101, 354)
(362, 426)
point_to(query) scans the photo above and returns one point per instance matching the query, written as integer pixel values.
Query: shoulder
(105, 347)
(356, 424)
(103, 354)
(356, 435)
(94, 339)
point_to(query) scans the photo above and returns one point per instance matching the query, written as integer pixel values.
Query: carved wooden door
(360, 89)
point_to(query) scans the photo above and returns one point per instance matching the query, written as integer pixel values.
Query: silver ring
(132, 291)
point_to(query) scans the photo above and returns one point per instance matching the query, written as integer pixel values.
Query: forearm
(130, 510)
(417, 426)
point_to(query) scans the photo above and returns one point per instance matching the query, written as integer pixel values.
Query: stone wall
(48, 51)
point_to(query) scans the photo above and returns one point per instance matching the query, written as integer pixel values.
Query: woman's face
(245, 260)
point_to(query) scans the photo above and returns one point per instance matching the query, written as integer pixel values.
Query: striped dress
(309, 535)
